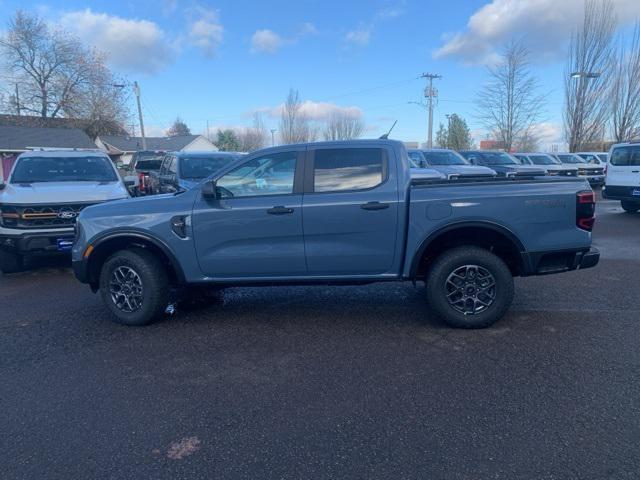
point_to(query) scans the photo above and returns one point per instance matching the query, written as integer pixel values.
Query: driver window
(268, 175)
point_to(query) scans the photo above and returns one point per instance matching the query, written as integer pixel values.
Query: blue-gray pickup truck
(336, 213)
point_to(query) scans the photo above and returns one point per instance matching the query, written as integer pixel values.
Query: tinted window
(268, 175)
(202, 167)
(626, 156)
(444, 158)
(63, 169)
(495, 158)
(590, 158)
(343, 169)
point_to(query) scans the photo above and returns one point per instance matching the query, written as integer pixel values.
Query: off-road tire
(11, 262)
(458, 257)
(155, 286)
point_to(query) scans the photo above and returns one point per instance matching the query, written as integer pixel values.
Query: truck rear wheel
(135, 287)
(11, 262)
(630, 207)
(469, 287)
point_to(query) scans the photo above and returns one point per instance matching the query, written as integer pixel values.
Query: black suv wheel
(134, 286)
(469, 287)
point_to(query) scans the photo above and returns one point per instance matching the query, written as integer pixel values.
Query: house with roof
(122, 148)
(15, 139)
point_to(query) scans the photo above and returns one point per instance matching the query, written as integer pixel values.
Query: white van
(623, 176)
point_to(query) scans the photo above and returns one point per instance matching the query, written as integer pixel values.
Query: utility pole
(273, 136)
(430, 94)
(17, 100)
(136, 90)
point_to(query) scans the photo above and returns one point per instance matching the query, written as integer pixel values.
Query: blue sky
(220, 61)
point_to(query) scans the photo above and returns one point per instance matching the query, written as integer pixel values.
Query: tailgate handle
(280, 210)
(374, 206)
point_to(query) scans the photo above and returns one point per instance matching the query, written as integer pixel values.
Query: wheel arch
(104, 246)
(492, 236)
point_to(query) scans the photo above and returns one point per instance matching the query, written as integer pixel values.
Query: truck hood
(464, 170)
(426, 174)
(559, 168)
(62, 192)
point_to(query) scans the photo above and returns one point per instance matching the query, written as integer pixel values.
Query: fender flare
(101, 239)
(415, 261)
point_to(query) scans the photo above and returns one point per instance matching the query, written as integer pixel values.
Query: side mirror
(2, 185)
(209, 190)
(472, 160)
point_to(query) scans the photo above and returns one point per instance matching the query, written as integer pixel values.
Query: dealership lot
(328, 382)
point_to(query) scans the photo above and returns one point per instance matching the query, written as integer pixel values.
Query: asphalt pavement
(328, 382)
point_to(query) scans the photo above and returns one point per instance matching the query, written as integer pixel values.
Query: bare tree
(343, 126)
(625, 102)
(587, 75)
(253, 138)
(295, 126)
(527, 142)
(509, 104)
(56, 75)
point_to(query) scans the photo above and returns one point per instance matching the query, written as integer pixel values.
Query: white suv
(623, 176)
(44, 194)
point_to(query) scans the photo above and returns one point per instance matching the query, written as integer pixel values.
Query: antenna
(386, 135)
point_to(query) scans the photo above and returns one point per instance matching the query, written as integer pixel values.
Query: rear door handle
(374, 206)
(280, 210)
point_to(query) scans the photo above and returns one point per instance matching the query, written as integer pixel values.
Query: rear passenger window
(343, 169)
(626, 156)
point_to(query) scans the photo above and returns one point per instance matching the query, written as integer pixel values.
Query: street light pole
(136, 90)
(273, 137)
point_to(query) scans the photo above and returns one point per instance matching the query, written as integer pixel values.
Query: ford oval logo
(67, 215)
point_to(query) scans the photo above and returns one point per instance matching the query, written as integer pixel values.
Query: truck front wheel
(630, 207)
(11, 262)
(134, 285)
(469, 287)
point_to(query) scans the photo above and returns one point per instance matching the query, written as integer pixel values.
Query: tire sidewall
(454, 259)
(154, 286)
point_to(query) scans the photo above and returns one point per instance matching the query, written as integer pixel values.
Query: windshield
(496, 158)
(202, 167)
(63, 169)
(570, 158)
(543, 160)
(603, 157)
(444, 158)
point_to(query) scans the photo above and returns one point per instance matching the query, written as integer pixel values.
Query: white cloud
(307, 28)
(544, 25)
(360, 37)
(266, 41)
(130, 45)
(206, 31)
(316, 111)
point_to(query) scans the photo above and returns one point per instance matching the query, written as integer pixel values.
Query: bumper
(80, 270)
(594, 179)
(611, 192)
(546, 263)
(40, 242)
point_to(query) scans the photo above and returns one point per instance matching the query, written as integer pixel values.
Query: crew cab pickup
(344, 212)
(45, 192)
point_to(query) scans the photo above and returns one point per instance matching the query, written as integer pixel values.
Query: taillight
(141, 182)
(585, 210)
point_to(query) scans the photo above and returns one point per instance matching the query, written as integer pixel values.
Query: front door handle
(280, 210)
(374, 206)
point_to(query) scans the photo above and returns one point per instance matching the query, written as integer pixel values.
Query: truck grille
(41, 216)
(591, 171)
